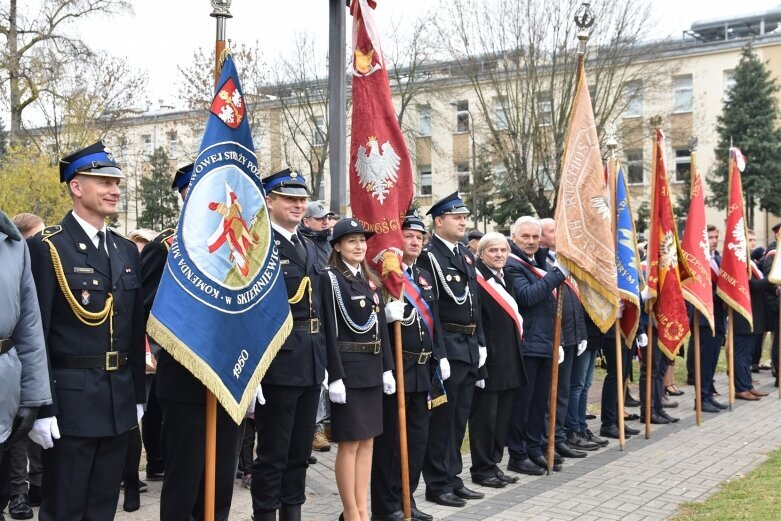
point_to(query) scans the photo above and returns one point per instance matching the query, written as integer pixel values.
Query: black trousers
(5, 473)
(184, 442)
(132, 457)
(745, 345)
(562, 393)
(447, 428)
(527, 420)
(609, 414)
(489, 422)
(386, 458)
(246, 455)
(82, 477)
(17, 455)
(710, 349)
(285, 427)
(659, 364)
(152, 424)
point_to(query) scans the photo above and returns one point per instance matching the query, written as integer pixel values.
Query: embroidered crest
(377, 172)
(228, 105)
(85, 297)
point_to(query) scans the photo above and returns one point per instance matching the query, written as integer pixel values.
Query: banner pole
(220, 14)
(697, 371)
(554, 381)
(402, 411)
(731, 359)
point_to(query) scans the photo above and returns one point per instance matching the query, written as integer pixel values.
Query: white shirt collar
(354, 271)
(498, 272)
(285, 233)
(450, 245)
(90, 230)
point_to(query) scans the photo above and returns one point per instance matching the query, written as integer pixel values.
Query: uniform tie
(102, 251)
(299, 247)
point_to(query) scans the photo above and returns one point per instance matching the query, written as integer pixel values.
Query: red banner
(698, 288)
(381, 185)
(732, 285)
(666, 266)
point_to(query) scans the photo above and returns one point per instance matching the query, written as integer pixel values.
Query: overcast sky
(164, 33)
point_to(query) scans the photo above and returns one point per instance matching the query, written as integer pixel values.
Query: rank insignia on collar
(82, 246)
(85, 297)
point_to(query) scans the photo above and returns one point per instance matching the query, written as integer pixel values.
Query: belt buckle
(314, 326)
(423, 357)
(376, 348)
(112, 360)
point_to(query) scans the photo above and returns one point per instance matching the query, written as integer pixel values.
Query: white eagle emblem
(704, 244)
(668, 257)
(377, 172)
(739, 246)
(601, 204)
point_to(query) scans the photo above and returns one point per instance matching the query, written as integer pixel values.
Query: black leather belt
(310, 326)
(110, 361)
(372, 348)
(5, 345)
(420, 357)
(466, 329)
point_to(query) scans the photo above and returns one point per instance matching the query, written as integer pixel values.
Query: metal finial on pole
(611, 141)
(584, 19)
(656, 121)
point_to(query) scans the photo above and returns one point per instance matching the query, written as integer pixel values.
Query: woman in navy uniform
(422, 347)
(89, 292)
(359, 362)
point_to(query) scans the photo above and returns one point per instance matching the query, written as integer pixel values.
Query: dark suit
(453, 275)
(95, 407)
(286, 423)
(489, 419)
(747, 340)
(415, 338)
(182, 399)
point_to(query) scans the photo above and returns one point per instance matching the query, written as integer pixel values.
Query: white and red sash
(756, 271)
(541, 273)
(504, 299)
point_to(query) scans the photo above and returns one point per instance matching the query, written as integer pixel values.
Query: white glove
(45, 431)
(645, 294)
(561, 268)
(561, 354)
(444, 369)
(642, 340)
(582, 347)
(325, 380)
(620, 308)
(337, 392)
(394, 310)
(482, 353)
(480, 383)
(388, 382)
(259, 396)
(139, 412)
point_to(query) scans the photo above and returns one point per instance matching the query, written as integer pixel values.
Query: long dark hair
(335, 261)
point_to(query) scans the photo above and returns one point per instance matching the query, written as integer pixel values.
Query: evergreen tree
(750, 120)
(161, 203)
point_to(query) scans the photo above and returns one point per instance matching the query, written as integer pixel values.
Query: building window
(544, 109)
(500, 110)
(425, 181)
(544, 178)
(683, 165)
(633, 91)
(173, 144)
(729, 83)
(500, 174)
(462, 175)
(318, 137)
(683, 96)
(146, 142)
(425, 121)
(462, 116)
(634, 167)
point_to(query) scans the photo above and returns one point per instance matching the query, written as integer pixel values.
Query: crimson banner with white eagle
(381, 184)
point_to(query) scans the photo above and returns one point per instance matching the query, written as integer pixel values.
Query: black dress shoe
(609, 432)
(525, 466)
(542, 462)
(465, 493)
(593, 438)
(719, 404)
(34, 495)
(491, 481)
(132, 500)
(396, 516)
(657, 419)
(666, 416)
(565, 451)
(154, 476)
(591, 416)
(293, 513)
(504, 477)
(311, 460)
(19, 507)
(630, 401)
(578, 442)
(629, 431)
(708, 407)
(448, 499)
(418, 515)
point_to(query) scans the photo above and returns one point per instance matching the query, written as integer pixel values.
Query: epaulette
(118, 234)
(164, 235)
(50, 230)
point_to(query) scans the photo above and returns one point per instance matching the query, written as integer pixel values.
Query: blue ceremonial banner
(221, 308)
(627, 261)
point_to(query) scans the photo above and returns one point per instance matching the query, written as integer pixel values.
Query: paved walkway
(647, 481)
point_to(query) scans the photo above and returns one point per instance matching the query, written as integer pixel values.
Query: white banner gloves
(325, 380)
(480, 384)
(645, 294)
(642, 340)
(337, 392)
(482, 353)
(582, 347)
(388, 382)
(561, 354)
(444, 369)
(394, 310)
(139, 412)
(561, 268)
(45, 431)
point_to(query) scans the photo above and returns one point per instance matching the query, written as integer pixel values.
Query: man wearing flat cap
(89, 291)
(452, 267)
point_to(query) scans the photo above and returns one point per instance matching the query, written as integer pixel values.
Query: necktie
(299, 247)
(500, 277)
(102, 252)
(409, 270)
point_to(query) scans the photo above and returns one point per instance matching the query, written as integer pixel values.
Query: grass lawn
(755, 496)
